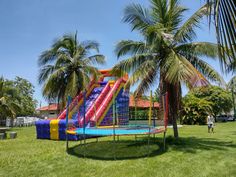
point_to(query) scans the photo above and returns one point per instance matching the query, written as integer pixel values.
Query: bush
(202, 101)
(140, 114)
(195, 110)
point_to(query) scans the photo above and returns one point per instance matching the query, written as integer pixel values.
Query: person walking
(210, 123)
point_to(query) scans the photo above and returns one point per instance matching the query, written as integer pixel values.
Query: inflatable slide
(94, 110)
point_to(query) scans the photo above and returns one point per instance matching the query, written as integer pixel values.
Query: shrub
(195, 110)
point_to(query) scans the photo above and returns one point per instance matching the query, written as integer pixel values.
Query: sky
(27, 28)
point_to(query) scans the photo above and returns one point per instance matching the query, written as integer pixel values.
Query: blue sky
(29, 27)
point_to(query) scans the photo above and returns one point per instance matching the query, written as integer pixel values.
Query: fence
(19, 121)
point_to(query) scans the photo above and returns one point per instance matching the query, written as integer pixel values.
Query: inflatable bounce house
(92, 108)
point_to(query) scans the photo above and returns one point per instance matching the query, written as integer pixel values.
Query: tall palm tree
(224, 14)
(167, 52)
(232, 87)
(8, 104)
(66, 68)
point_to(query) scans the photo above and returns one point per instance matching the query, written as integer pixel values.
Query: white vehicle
(225, 118)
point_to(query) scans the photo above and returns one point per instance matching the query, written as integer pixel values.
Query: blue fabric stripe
(110, 131)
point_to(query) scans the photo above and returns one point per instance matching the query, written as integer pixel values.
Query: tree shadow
(131, 149)
(118, 150)
(192, 144)
(234, 133)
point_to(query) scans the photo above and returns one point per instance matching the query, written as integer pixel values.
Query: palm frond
(209, 72)
(46, 57)
(130, 47)
(168, 13)
(186, 32)
(68, 41)
(91, 72)
(177, 68)
(137, 16)
(95, 59)
(159, 10)
(44, 73)
(63, 60)
(197, 81)
(232, 83)
(14, 107)
(225, 22)
(140, 73)
(54, 83)
(175, 14)
(198, 49)
(72, 84)
(132, 63)
(147, 75)
(230, 66)
(52, 87)
(86, 76)
(89, 44)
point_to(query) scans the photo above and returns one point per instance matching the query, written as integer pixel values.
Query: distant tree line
(16, 98)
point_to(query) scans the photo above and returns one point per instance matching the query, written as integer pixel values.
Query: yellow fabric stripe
(71, 132)
(54, 129)
(110, 126)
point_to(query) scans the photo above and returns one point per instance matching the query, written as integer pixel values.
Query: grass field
(195, 153)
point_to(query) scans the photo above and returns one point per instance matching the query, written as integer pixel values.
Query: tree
(66, 68)
(16, 98)
(232, 87)
(8, 105)
(224, 15)
(23, 95)
(25, 92)
(167, 51)
(220, 99)
(195, 110)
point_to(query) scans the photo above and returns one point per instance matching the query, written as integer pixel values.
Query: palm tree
(157, 95)
(224, 14)
(167, 52)
(66, 68)
(232, 87)
(8, 104)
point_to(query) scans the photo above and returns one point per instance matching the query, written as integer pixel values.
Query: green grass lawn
(196, 153)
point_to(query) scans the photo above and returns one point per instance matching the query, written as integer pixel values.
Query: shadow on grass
(131, 149)
(192, 144)
(234, 133)
(119, 150)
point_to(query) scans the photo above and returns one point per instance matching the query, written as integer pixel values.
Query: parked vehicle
(231, 118)
(225, 118)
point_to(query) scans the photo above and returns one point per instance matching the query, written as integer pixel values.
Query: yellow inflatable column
(111, 82)
(54, 129)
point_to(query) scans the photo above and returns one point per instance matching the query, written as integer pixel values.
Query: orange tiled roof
(50, 107)
(140, 103)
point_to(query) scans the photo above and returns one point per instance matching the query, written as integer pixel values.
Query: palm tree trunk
(174, 96)
(173, 91)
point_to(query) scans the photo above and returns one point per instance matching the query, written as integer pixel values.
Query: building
(52, 110)
(141, 103)
(139, 109)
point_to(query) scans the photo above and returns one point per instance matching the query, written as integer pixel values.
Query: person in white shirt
(210, 123)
